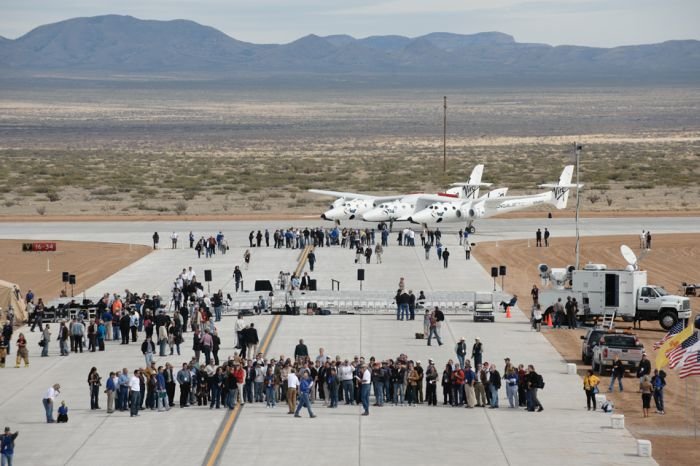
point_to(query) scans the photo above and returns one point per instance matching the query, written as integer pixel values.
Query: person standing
(590, 386)
(537, 317)
(45, 338)
(173, 240)
(135, 393)
(535, 294)
(546, 238)
(292, 384)
(305, 386)
(431, 375)
(365, 382)
(311, 257)
(184, 378)
(494, 385)
(467, 250)
(94, 382)
(156, 238)
(477, 351)
(22, 351)
(617, 372)
(246, 258)
(148, 348)
(469, 383)
(7, 446)
(445, 257)
(461, 351)
(510, 377)
(48, 401)
(658, 382)
(538, 238)
(110, 389)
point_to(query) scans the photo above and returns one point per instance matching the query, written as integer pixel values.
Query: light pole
(444, 134)
(577, 151)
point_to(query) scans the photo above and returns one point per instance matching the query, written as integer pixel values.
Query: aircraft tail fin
(559, 197)
(470, 189)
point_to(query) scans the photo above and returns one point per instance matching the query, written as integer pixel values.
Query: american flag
(677, 328)
(676, 354)
(691, 365)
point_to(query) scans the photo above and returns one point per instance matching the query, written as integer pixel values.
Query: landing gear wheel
(471, 230)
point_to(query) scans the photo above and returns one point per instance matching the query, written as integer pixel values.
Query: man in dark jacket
(494, 385)
(301, 351)
(124, 324)
(534, 382)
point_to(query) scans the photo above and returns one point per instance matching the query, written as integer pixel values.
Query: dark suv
(590, 339)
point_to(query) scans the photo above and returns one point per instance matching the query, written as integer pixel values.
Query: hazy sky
(580, 22)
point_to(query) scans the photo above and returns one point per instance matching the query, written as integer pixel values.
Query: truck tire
(667, 319)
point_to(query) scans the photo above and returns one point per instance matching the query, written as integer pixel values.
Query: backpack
(439, 316)
(540, 382)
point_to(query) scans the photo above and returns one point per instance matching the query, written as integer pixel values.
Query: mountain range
(115, 45)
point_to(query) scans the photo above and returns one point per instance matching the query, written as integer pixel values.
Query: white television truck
(619, 293)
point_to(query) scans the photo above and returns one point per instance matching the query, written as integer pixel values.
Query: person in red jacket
(457, 384)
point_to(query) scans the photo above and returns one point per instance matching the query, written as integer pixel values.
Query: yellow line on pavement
(233, 416)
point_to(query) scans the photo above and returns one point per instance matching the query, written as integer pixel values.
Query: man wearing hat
(461, 350)
(7, 446)
(477, 351)
(48, 400)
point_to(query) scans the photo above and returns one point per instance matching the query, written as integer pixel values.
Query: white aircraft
(488, 206)
(351, 206)
(402, 209)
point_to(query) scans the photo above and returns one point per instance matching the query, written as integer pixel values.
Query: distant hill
(111, 45)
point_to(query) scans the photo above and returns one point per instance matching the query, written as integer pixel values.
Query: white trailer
(601, 291)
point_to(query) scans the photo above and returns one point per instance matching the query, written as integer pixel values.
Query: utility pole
(444, 134)
(577, 151)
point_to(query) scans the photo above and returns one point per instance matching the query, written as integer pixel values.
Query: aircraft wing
(496, 201)
(346, 195)
(431, 198)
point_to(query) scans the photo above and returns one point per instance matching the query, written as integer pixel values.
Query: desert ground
(41, 271)
(672, 260)
(180, 151)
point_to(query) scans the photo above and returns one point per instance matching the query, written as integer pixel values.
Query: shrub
(180, 207)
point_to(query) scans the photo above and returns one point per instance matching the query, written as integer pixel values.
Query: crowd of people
(298, 382)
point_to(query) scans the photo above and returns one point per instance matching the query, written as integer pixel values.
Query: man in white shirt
(364, 389)
(173, 237)
(292, 384)
(135, 392)
(240, 326)
(48, 400)
(190, 274)
(345, 377)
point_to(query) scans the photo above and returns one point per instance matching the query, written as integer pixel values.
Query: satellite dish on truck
(629, 256)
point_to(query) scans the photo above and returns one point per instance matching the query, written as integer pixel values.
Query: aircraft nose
(420, 217)
(323, 216)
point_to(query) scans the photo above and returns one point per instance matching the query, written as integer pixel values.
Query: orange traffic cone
(508, 312)
(549, 320)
